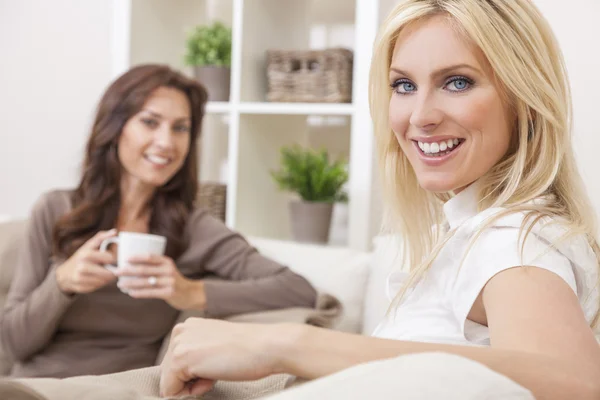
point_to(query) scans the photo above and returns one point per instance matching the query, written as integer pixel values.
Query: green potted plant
(318, 181)
(208, 51)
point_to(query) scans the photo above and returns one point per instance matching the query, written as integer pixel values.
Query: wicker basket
(212, 196)
(310, 76)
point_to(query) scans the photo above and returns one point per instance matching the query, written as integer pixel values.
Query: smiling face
(445, 110)
(155, 142)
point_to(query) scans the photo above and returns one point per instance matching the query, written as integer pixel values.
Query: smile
(157, 160)
(439, 148)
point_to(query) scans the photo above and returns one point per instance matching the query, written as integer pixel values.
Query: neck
(135, 200)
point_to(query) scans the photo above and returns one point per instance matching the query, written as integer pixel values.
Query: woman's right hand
(84, 271)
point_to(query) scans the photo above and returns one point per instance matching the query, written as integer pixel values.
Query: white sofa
(357, 279)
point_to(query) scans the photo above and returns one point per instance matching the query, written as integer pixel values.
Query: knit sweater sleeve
(35, 304)
(248, 281)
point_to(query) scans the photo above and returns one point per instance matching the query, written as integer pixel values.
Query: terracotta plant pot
(310, 221)
(216, 80)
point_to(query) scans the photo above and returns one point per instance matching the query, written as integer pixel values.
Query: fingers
(144, 270)
(135, 283)
(173, 378)
(149, 259)
(89, 269)
(88, 272)
(100, 257)
(200, 386)
(95, 241)
(85, 281)
(177, 379)
(154, 293)
(171, 385)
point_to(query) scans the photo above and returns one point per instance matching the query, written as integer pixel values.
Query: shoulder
(520, 225)
(203, 223)
(505, 236)
(51, 205)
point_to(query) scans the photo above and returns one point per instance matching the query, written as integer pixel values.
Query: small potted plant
(208, 51)
(319, 182)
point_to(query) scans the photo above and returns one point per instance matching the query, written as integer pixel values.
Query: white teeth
(157, 159)
(438, 147)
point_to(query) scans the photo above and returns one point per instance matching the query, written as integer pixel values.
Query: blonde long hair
(529, 67)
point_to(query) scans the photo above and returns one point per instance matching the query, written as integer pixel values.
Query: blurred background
(297, 73)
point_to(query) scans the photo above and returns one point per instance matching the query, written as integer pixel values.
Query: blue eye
(459, 84)
(403, 86)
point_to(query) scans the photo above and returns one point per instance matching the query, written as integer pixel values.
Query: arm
(35, 304)
(250, 282)
(554, 355)
(540, 339)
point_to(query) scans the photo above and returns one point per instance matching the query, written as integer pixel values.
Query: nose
(425, 115)
(164, 137)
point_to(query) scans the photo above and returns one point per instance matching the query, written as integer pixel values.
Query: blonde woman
(471, 108)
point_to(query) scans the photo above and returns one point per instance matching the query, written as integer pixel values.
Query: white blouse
(436, 309)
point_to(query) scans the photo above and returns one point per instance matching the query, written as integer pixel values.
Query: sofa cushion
(387, 257)
(338, 271)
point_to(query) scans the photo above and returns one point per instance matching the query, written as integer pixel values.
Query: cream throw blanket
(139, 384)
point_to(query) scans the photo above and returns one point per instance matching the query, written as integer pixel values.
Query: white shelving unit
(242, 138)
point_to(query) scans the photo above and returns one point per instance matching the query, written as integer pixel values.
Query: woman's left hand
(157, 277)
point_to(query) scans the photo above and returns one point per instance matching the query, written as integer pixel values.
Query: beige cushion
(425, 376)
(341, 272)
(11, 233)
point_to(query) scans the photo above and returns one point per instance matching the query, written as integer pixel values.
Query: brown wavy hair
(97, 199)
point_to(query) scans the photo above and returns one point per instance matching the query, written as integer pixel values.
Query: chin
(157, 182)
(438, 184)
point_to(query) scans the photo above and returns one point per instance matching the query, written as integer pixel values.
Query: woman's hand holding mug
(156, 276)
(84, 271)
(146, 273)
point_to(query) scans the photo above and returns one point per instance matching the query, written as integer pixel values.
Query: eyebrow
(441, 71)
(158, 115)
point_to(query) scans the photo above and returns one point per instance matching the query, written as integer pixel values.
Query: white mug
(133, 244)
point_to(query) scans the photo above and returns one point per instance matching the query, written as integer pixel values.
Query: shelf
(288, 25)
(218, 107)
(241, 139)
(262, 209)
(296, 108)
(213, 149)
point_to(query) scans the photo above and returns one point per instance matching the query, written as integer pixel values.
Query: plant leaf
(311, 174)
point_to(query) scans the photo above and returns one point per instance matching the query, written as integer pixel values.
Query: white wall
(159, 30)
(576, 26)
(54, 64)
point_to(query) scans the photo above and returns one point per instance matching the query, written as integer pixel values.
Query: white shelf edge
(120, 41)
(217, 107)
(296, 108)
